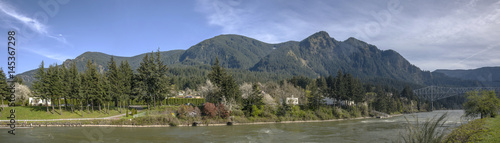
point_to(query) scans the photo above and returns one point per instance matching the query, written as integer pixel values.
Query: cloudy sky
(445, 34)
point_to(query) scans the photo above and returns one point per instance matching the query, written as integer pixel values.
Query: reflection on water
(366, 130)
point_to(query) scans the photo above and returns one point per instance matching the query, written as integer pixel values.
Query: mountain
(233, 51)
(253, 60)
(101, 60)
(487, 75)
(319, 54)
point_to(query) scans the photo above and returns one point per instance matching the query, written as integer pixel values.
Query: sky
(445, 34)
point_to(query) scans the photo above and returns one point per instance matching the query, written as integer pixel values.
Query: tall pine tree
(126, 80)
(41, 85)
(4, 91)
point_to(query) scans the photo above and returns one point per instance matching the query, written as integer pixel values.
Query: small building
(36, 101)
(331, 101)
(292, 101)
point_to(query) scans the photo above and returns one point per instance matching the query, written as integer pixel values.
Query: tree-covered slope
(234, 51)
(250, 59)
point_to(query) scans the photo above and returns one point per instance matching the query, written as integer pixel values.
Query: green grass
(39, 112)
(493, 135)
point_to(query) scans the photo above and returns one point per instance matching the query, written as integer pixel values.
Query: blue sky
(447, 34)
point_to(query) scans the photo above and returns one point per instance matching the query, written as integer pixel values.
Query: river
(362, 130)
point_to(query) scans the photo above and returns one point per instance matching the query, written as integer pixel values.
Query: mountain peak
(319, 40)
(321, 34)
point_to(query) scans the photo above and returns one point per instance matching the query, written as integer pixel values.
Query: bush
(197, 112)
(324, 113)
(184, 111)
(255, 111)
(126, 113)
(209, 110)
(237, 113)
(469, 132)
(222, 111)
(339, 113)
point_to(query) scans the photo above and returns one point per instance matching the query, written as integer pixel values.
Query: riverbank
(479, 130)
(75, 124)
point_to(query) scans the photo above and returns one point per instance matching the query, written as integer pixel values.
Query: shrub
(222, 111)
(237, 113)
(339, 113)
(324, 113)
(197, 112)
(426, 132)
(209, 110)
(469, 132)
(184, 111)
(126, 113)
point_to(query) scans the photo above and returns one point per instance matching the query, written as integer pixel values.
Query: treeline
(91, 88)
(349, 97)
(345, 88)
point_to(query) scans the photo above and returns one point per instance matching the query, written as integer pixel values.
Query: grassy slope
(41, 113)
(493, 136)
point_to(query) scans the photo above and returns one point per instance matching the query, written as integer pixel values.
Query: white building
(331, 101)
(35, 101)
(292, 101)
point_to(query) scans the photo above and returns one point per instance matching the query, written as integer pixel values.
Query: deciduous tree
(483, 104)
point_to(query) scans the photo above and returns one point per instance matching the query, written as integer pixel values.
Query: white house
(331, 101)
(35, 101)
(292, 101)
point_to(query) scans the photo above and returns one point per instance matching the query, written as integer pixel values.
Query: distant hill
(319, 54)
(487, 75)
(252, 60)
(234, 51)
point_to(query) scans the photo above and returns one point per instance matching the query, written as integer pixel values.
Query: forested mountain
(253, 60)
(480, 74)
(489, 76)
(234, 51)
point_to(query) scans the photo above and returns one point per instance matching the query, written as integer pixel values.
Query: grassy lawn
(493, 135)
(38, 112)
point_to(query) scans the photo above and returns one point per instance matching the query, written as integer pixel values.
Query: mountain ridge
(317, 55)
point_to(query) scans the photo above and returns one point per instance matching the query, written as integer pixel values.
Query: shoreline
(201, 125)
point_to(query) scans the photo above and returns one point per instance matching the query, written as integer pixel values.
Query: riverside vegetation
(486, 129)
(225, 100)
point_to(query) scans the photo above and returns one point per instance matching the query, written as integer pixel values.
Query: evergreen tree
(138, 87)
(74, 84)
(41, 85)
(339, 86)
(65, 83)
(314, 97)
(229, 91)
(126, 80)
(217, 74)
(115, 77)
(103, 91)
(407, 93)
(4, 91)
(255, 98)
(18, 80)
(91, 81)
(145, 75)
(55, 88)
(82, 92)
(161, 81)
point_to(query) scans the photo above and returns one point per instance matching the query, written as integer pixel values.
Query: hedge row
(175, 101)
(182, 101)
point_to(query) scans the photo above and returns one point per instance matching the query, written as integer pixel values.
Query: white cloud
(14, 19)
(31, 23)
(48, 54)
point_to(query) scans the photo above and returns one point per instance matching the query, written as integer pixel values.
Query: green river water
(363, 130)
